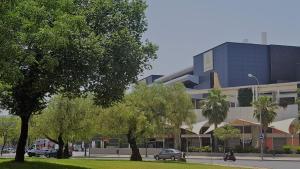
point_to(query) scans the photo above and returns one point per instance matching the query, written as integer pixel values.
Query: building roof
(175, 75)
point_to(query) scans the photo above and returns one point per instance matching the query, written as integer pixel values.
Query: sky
(185, 28)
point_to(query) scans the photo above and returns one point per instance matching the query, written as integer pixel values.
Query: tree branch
(54, 141)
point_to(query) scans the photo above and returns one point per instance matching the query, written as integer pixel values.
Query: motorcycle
(229, 156)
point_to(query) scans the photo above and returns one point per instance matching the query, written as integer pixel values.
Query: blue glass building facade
(234, 61)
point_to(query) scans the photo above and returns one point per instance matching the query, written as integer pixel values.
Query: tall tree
(215, 109)
(8, 130)
(140, 115)
(266, 107)
(147, 111)
(226, 133)
(71, 47)
(67, 120)
(180, 110)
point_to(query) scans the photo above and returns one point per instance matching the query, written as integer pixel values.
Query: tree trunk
(135, 153)
(4, 143)
(264, 140)
(60, 147)
(177, 140)
(66, 150)
(215, 141)
(22, 139)
(224, 148)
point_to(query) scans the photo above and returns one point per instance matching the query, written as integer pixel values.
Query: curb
(246, 159)
(191, 157)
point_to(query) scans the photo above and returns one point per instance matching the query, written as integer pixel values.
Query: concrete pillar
(200, 142)
(187, 144)
(93, 144)
(102, 144)
(243, 136)
(278, 96)
(253, 94)
(82, 145)
(236, 104)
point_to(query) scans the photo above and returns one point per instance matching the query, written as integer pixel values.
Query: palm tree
(266, 107)
(215, 109)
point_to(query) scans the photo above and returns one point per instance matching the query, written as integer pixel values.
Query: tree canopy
(226, 133)
(138, 116)
(70, 47)
(67, 120)
(148, 111)
(215, 108)
(180, 110)
(265, 108)
(9, 130)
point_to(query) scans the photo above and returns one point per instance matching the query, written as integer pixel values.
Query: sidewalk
(248, 158)
(205, 157)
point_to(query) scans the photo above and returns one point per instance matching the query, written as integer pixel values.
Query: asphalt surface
(252, 163)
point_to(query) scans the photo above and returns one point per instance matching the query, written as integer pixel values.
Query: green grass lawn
(99, 164)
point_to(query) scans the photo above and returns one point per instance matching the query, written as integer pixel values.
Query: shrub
(287, 149)
(274, 152)
(247, 149)
(298, 149)
(194, 149)
(198, 149)
(206, 149)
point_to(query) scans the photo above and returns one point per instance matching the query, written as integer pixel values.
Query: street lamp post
(260, 118)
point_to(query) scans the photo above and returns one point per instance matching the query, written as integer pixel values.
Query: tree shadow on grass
(35, 165)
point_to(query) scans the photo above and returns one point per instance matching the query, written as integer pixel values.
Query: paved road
(252, 163)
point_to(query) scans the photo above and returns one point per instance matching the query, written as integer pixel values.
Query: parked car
(43, 152)
(9, 150)
(172, 154)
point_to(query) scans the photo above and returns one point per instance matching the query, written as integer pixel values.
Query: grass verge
(100, 164)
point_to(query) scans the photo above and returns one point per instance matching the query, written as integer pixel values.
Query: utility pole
(261, 136)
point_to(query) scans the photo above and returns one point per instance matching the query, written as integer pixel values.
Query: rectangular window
(285, 101)
(247, 129)
(208, 61)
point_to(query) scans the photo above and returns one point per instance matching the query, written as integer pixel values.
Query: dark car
(44, 152)
(172, 154)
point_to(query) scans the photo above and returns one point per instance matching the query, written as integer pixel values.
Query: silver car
(172, 154)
